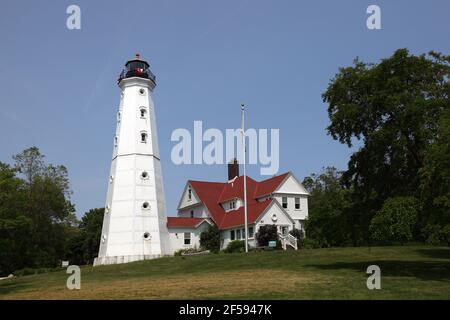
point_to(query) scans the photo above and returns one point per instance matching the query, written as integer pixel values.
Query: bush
(265, 234)
(435, 234)
(395, 221)
(235, 246)
(210, 239)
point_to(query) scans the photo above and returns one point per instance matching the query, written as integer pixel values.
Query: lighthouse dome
(137, 68)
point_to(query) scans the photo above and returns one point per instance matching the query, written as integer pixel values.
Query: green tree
(210, 239)
(83, 244)
(395, 107)
(330, 221)
(35, 212)
(395, 221)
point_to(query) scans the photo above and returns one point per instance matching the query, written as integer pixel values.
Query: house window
(143, 137)
(297, 203)
(238, 234)
(250, 232)
(192, 213)
(284, 202)
(243, 233)
(187, 238)
(190, 194)
(232, 235)
(284, 230)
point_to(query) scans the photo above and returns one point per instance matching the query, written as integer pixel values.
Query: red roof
(212, 194)
(180, 222)
(269, 185)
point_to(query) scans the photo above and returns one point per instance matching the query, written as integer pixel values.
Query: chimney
(233, 169)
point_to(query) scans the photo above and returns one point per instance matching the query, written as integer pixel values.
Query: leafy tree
(266, 233)
(83, 245)
(396, 108)
(35, 212)
(395, 221)
(210, 239)
(330, 222)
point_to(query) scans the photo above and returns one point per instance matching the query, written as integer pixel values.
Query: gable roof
(181, 222)
(212, 194)
(268, 186)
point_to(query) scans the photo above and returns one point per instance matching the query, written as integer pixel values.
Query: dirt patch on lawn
(188, 286)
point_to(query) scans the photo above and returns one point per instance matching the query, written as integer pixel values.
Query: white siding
(200, 211)
(177, 237)
(185, 202)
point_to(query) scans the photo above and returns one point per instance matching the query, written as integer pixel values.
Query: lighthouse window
(144, 175)
(145, 205)
(142, 91)
(143, 137)
(143, 112)
(146, 235)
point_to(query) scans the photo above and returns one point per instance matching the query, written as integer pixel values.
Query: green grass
(409, 272)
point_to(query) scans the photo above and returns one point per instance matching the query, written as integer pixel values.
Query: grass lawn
(409, 272)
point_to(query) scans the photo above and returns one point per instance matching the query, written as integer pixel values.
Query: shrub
(265, 234)
(235, 246)
(210, 239)
(395, 220)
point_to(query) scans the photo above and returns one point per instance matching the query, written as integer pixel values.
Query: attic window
(284, 202)
(189, 194)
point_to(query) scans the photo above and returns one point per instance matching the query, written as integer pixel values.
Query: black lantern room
(137, 68)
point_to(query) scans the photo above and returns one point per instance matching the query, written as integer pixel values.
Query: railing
(292, 241)
(288, 240)
(126, 73)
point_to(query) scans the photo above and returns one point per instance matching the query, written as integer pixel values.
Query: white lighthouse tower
(134, 223)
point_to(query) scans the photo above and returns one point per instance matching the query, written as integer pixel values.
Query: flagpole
(245, 179)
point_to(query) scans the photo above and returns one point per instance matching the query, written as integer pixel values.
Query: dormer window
(232, 205)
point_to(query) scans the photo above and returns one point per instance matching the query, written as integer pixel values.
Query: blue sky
(58, 87)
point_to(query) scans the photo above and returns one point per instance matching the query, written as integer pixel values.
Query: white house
(281, 200)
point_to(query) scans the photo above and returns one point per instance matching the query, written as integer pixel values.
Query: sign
(272, 244)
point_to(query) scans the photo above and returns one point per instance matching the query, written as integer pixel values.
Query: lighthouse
(135, 222)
